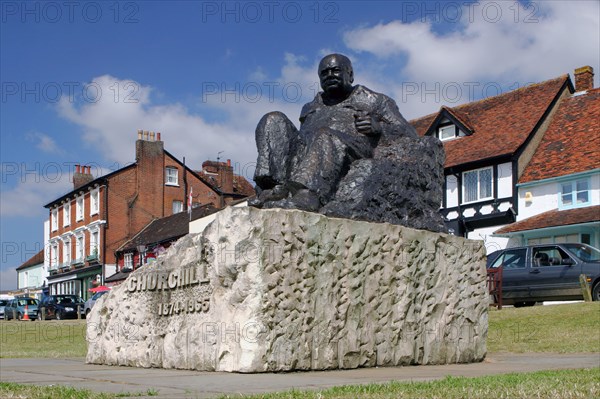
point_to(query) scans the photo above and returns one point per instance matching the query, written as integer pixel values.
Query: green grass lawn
(568, 328)
(48, 339)
(562, 384)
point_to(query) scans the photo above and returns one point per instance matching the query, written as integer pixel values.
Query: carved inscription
(189, 277)
(181, 278)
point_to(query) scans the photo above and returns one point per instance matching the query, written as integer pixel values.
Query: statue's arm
(391, 120)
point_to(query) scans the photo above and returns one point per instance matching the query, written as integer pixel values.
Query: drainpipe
(104, 226)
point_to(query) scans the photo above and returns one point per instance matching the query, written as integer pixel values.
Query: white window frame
(54, 218)
(79, 208)
(66, 214)
(442, 129)
(177, 206)
(94, 202)
(95, 242)
(66, 254)
(479, 198)
(573, 193)
(53, 256)
(128, 260)
(171, 176)
(79, 247)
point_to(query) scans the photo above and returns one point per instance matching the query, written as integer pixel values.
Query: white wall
(505, 180)
(545, 197)
(31, 277)
(451, 191)
(46, 266)
(491, 243)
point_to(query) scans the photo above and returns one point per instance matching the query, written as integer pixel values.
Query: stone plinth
(280, 290)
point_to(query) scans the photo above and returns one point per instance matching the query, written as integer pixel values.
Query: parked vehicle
(15, 308)
(89, 304)
(548, 272)
(61, 307)
(3, 303)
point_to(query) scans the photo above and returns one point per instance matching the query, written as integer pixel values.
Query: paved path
(191, 384)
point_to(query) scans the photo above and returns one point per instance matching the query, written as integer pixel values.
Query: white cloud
(493, 42)
(109, 119)
(44, 142)
(110, 122)
(33, 190)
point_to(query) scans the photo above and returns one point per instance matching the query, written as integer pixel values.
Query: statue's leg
(320, 165)
(275, 134)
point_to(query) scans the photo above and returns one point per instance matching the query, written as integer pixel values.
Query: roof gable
(571, 144)
(500, 124)
(454, 116)
(553, 218)
(97, 181)
(35, 260)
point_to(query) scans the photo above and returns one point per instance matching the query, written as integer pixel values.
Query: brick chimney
(149, 158)
(584, 78)
(82, 176)
(224, 172)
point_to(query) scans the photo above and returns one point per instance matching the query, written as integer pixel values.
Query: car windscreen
(27, 301)
(65, 299)
(98, 295)
(584, 252)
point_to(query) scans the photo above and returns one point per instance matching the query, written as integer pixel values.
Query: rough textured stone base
(280, 290)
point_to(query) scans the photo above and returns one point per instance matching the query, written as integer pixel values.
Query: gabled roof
(553, 218)
(500, 124)
(105, 178)
(572, 142)
(241, 186)
(97, 181)
(33, 261)
(166, 229)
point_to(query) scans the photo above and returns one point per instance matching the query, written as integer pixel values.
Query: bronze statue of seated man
(308, 169)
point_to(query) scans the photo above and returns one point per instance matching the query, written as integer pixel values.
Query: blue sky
(79, 78)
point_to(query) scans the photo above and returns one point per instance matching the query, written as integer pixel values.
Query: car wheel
(59, 315)
(596, 292)
(19, 316)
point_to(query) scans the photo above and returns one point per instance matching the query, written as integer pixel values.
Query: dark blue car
(546, 272)
(61, 307)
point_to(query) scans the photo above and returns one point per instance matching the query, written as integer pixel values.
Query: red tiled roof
(240, 184)
(243, 186)
(572, 142)
(500, 124)
(34, 260)
(554, 218)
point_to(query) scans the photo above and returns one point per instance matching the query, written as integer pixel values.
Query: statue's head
(336, 75)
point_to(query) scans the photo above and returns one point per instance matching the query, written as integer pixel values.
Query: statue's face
(335, 74)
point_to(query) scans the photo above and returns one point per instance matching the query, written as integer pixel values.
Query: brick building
(89, 223)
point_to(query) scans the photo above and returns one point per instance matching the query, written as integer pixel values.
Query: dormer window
(449, 132)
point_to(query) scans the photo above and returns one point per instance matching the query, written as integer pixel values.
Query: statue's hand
(366, 124)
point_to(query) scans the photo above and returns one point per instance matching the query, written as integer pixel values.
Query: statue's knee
(275, 126)
(275, 117)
